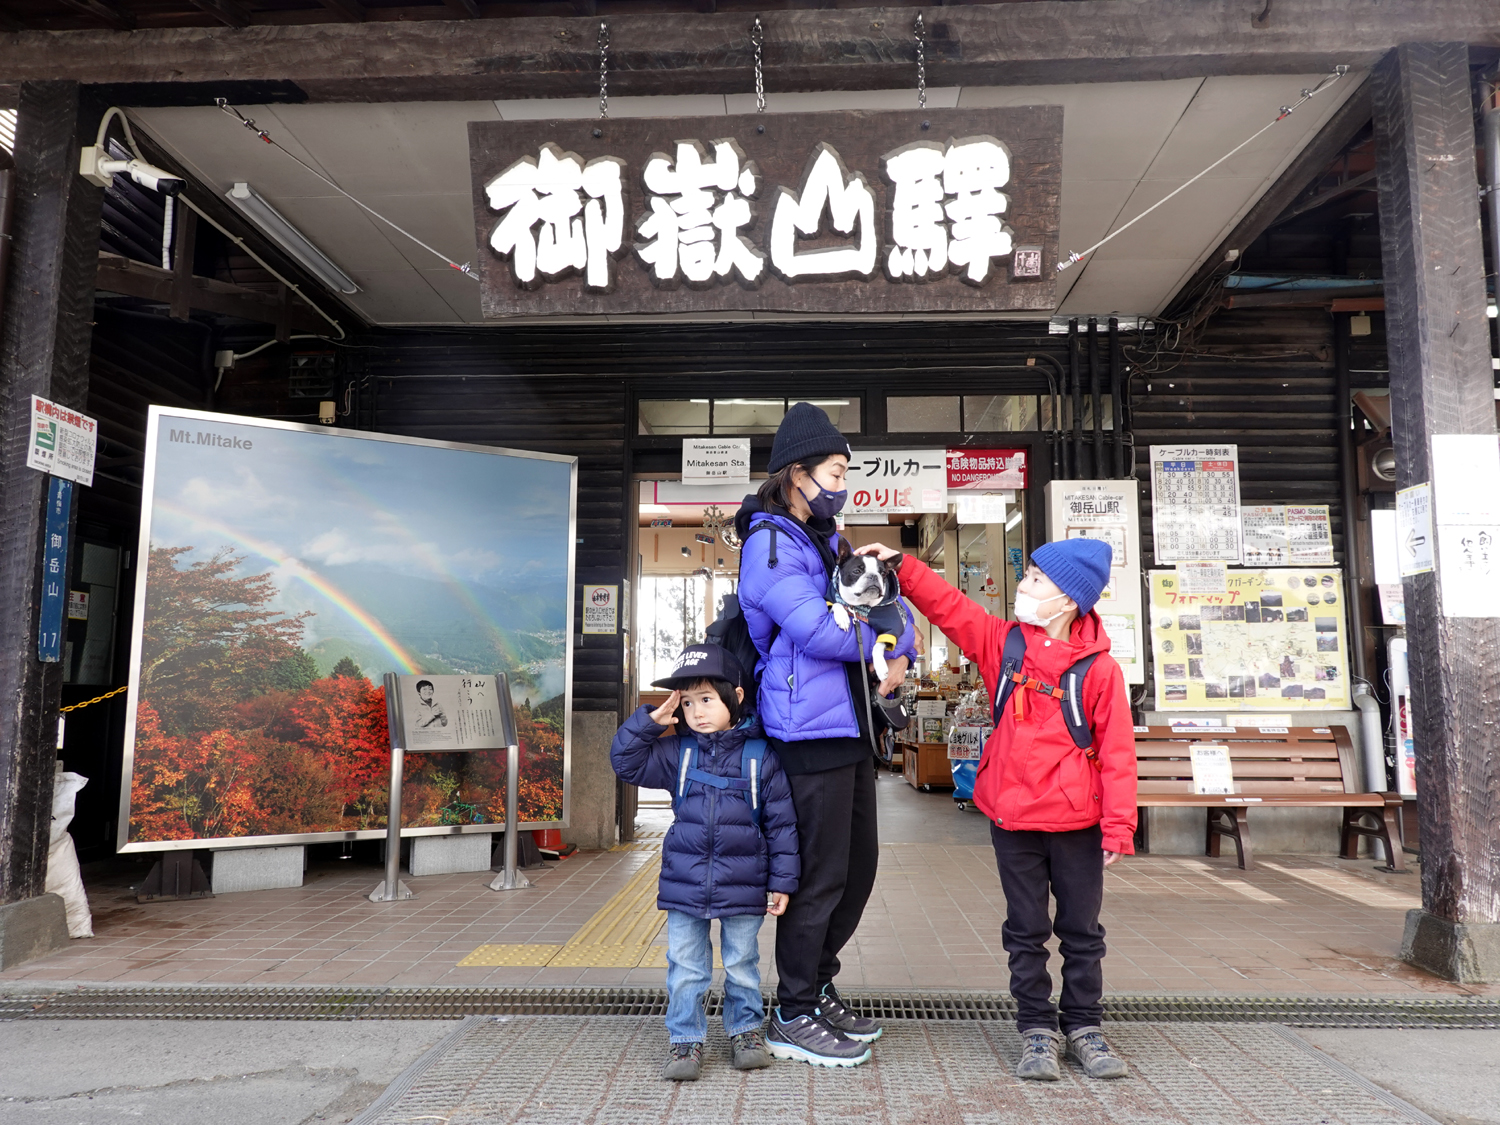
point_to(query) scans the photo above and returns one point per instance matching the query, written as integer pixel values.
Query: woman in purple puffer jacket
(812, 708)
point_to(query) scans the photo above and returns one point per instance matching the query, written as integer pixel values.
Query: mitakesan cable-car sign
(865, 212)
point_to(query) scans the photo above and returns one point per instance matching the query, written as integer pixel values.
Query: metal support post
(510, 879)
(391, 888)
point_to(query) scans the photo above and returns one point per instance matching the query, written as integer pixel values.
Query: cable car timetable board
(1273, 640)
(285, 569)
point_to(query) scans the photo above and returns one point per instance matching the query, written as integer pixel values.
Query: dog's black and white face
(862, 579)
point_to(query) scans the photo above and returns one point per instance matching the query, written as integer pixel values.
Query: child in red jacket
(1059, 815)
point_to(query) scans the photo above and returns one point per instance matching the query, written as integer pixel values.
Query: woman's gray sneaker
(748, 1050)
(1041, 1055)
(684, 1062)
(810, 1040)
(1088, 1046)
(832, 1011)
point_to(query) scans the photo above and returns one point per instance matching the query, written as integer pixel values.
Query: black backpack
(730, 630)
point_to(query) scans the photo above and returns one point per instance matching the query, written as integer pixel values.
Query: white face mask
(1028, 609)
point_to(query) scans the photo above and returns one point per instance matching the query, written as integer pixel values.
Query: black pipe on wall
(1096, 469)
(1116, 397)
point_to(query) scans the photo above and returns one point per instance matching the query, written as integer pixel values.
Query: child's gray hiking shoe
(1088, 1046)
(832, 1011)
(748, 1050)
(1041, 1055)
(684, 1062)
(810, 1040)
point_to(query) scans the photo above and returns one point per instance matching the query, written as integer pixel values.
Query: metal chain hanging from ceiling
(603, 70)
(758, 37)
(921, 35)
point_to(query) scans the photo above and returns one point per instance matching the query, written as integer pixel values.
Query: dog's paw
(841, 617)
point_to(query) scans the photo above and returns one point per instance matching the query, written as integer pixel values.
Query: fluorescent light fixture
(655, 510)
(1010, 524)
(289, 238)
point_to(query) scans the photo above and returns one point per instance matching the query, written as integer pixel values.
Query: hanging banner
(1195, 503)
(62, 442)
(986, 470)
(1273, 640)
(896, 482)
(1279, 535)
(843, 212)
(54, 570)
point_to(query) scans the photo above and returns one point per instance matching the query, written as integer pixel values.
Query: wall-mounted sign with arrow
(1414, 528)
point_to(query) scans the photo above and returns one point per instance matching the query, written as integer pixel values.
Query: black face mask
(825, 505)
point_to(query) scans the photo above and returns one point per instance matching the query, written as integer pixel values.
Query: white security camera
(99, 170)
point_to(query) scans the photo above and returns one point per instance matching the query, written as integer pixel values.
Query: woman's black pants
(839, 844)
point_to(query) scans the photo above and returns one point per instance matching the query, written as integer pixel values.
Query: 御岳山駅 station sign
(842, 212)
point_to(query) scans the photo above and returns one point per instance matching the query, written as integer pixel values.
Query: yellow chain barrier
(96, 699)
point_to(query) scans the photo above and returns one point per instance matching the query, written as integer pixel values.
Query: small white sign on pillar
(61, 442)
(1466, 503)
(601, 610)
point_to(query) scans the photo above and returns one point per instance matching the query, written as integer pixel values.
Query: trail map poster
(285, 569)
(1274, 640)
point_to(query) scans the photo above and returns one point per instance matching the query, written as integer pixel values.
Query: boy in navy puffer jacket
(716, 862)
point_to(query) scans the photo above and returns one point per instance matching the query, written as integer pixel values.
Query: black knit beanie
(805, 432)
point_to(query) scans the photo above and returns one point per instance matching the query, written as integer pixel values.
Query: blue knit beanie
(1078, 567)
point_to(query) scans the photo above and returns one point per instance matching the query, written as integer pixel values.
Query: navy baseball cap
(702, 662)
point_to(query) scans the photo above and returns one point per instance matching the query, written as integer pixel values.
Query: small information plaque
(442, 714)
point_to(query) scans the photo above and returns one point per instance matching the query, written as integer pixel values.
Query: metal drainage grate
(333, 1003)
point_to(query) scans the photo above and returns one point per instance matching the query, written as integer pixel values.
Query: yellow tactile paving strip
(618, 936)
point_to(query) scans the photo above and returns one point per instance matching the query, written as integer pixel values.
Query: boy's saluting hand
(666, 714)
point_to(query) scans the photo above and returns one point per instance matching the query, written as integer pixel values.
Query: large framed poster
(284, 569)
(1270, 640)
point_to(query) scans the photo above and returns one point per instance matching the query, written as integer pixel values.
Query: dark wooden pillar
(44, 350)
(1441, 383)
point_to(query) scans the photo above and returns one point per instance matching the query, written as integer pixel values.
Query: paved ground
(1297, 925)
(1453, 1075)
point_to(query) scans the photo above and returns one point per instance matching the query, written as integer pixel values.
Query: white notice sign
(61, 441)
(1466, 498)
(897, 481)
(715, 461)
(1212, 770)
(1280, 535)
(1195, 502)
(601, 609)
(981, 507)
(1414, 529)
(966, 743)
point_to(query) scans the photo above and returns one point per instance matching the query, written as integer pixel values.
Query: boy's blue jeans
(690, 971)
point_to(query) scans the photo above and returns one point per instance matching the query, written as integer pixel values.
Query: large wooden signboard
(860, 212)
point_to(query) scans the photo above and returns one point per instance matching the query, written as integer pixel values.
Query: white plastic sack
(63, 877)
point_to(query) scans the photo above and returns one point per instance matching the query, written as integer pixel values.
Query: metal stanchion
(510, 879)
(391, 888)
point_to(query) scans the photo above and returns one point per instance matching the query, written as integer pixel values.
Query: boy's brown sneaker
(684, 1062)
(748, 1050)
(1041, 1055)
(1088, 1046)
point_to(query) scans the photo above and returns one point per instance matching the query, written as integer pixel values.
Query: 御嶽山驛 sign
(846, 212)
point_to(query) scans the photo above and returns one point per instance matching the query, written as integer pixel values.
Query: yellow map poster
(1273, 640)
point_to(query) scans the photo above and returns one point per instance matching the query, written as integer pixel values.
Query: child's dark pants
(1071, 866)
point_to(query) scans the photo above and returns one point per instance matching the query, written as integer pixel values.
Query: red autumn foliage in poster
(237, 735)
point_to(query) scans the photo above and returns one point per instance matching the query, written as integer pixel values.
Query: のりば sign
(942, 210)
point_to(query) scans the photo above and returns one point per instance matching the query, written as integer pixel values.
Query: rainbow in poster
(284, 569)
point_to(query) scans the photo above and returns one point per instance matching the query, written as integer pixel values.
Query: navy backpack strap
(1072, 706)
(1011, 659)
(752, 763)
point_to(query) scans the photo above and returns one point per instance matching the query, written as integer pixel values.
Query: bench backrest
(1304, 760)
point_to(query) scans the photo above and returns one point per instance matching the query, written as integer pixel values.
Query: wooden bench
(1296, 767)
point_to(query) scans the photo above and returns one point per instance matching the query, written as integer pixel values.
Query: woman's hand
(776, 903)
(665, 715)
(895, 673)
(879, 550)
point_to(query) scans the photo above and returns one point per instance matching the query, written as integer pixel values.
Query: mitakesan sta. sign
(849, 212)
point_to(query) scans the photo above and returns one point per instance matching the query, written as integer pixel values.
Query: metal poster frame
(138, 615)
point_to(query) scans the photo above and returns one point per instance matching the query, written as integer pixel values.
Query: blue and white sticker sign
(54, 571)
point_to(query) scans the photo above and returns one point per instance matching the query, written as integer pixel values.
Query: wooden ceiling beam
(1048, 41)
(130, 278)
(227, 12)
